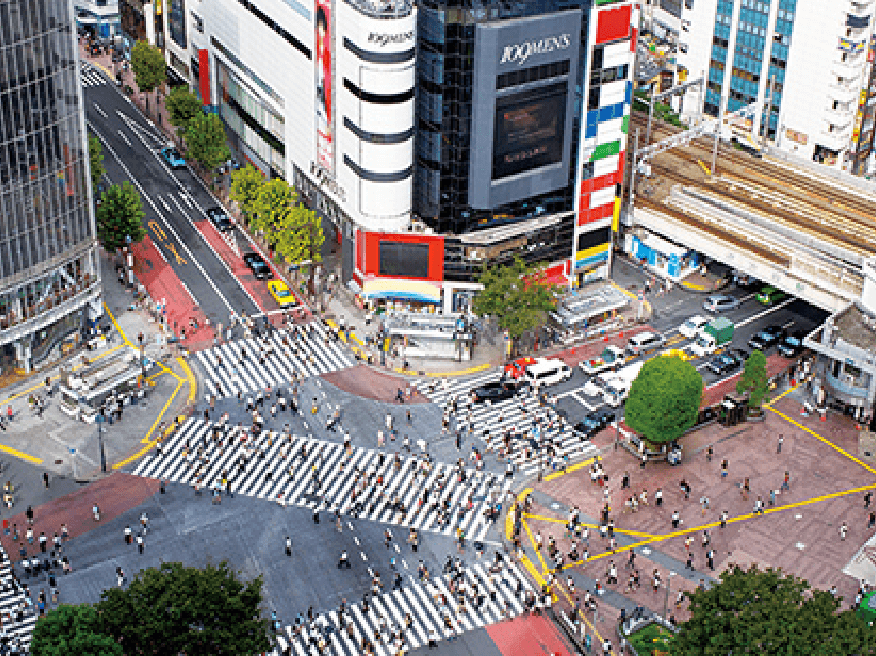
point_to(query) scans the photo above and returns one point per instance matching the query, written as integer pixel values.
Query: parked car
(792, 345)
(594, 422)
(598, 384)
(769, 336)
(611, 358)
(546, 372)
(692, 326)
(219, 219)
(643, 343)
(258, 266)
(281, 293)
(172, 158)
(720, 303)
(517, 368)
(498, 390)
(725, 363)
(769, 295)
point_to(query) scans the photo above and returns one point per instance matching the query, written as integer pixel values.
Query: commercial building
(99, 17)
(436, 138)
(811, 61)
(49, 269)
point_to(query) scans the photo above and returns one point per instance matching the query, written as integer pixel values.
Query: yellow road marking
(839, 450)
(558, 520)
(569, 469)
(190, 376)
(150, 443)
(624, 291)
(541, 560)
(118, 327)
(705, 168)
(20, 454)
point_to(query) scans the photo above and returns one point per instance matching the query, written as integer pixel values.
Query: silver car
(720, 303)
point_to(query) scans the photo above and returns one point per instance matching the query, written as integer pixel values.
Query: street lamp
(666, 599)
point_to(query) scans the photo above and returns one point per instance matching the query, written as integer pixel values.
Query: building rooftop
(856, 327)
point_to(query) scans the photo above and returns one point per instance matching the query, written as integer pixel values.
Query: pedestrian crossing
(274, 358)
(412, 492)
(90, 76)
(10, 603)
(532, 425)
(404, 619)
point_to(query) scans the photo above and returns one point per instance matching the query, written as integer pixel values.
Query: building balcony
(839, 117)
(844, 93)
(850, 71)
(837, 139)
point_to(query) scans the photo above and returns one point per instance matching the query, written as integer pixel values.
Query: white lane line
(187, 201)
(724, 380)
(166, 223)
(164, 204)
(757, 316)
(99, 110)
(747, 297)
(580, 400)
(124, 138)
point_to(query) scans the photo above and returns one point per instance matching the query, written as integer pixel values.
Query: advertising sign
(325, 151)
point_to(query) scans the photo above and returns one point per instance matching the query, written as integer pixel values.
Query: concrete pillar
(23, 355)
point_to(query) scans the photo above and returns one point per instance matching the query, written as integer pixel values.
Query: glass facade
(47, 232)
(445, 67)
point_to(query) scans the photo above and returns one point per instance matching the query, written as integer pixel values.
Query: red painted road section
(528, 636)
(161, 282)
(258, 289)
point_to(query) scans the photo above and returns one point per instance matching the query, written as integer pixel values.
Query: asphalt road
(172, 201)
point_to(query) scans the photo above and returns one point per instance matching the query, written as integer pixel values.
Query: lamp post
(666, 599)
(100, 420)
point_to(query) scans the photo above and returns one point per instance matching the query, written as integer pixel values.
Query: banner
(325, 152)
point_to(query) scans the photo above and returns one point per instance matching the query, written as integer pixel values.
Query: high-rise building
(812, 61)
(439, 137)
(49, 268)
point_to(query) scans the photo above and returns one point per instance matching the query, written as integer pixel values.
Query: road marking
(757, 316)
(167, 223)
(404, 563)
(179, 207)
(745, 298)
(364, 557)
(164, 204)
(99, 110)
(187, 201)
(355, 539)
(124, 138)
(397, 550)
(189, 291)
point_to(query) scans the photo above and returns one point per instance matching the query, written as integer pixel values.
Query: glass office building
(49, 271)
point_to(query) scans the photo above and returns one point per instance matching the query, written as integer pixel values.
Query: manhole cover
(798, 516)
(59, 462)
(800, 546)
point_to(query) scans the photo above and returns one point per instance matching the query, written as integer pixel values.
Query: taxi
(677, 353)
(281, 293)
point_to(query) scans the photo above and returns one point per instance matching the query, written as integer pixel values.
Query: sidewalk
(47, 441)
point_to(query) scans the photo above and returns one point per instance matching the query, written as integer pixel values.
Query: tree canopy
(147, 62)
(754, 380)
(95, 156)
(246, 184)
(769, 613)
(182, 106)
(664, 399)
(517, 294)
(119, 216)
(275, 199)
(205, 138)
(298, 235)
(169, 610)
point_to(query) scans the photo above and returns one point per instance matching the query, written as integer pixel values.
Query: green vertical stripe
(625, 127)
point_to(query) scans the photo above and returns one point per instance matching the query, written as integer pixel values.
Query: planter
(644, 635)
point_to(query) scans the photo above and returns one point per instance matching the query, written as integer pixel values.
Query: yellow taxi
(677, 353)
(281, 293)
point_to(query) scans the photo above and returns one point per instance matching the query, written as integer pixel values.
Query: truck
(618, 388)
(711, 337)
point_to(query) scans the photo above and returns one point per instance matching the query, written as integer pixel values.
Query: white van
(617, 391)
(547, 372)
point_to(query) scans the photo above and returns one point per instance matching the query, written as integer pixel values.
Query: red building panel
(372, 242)
(634, 39)
(614, 24)
(204, 75)
(621, 162)
(360, 250)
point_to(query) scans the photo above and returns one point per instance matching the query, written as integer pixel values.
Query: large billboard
(525, 72)
(325, 145)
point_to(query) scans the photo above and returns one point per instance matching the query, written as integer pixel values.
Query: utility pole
(717, 137)
(765, 126)
(634, 166)
(702, 98)
(650, 116)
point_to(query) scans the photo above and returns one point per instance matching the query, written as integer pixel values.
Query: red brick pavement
(372, 384)
(771, 540)
(114, 495)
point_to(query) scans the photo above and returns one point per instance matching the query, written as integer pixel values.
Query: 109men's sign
(520, 52)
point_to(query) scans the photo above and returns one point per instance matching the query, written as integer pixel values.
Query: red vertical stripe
(204, 73)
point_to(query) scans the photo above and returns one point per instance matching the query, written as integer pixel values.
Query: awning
(857, 22)
(423, 291)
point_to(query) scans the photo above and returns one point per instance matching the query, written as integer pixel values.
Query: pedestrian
(786, 483)
(43, 541)
(288, 546)
(140, 545)
(724, 515)
(724, 468)
(779, 445)
(867, 498)
(710, 559)
(95, 511)
(344, 561)
(689, 563)
(29, 514)
(709, 453)
(46, 479)
(64, 532)
(658, 498)
(676, 518)
(745, 489)
(872, 521)
(127, 534)
(843, 530)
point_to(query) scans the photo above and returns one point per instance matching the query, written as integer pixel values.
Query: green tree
(298, 235)
(768, 613)
(120, 215)
(182, 106)
(74, 631)
(275, 200)
(205, 138)
(754, 380)
(177, 609)
(95, 155)
(148, 65)
(517, 295)
(664, 399)
(246, 184)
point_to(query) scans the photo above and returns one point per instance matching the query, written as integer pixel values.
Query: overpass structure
(789, 223)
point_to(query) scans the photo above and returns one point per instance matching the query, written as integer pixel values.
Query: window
(198, 22)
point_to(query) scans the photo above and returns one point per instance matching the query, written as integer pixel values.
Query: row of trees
(273, 210)
(203, 133)
(119, 215)
(169, 610)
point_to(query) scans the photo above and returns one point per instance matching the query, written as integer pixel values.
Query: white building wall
(699, 49)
